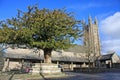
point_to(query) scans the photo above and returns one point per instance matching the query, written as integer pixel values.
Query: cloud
(111, 25)
(111, 45)
(110, 29)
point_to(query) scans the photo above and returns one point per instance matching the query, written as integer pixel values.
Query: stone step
(46, 68)
(46, 65)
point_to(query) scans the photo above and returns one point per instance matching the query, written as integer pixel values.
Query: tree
(42, 28)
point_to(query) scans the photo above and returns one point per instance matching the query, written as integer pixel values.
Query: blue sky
(106, 11)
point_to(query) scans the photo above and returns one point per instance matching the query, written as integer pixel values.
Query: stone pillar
(93, 64)
(58, 62)
(6, 65)
(99, 64)
(84, 65)
(71, 66)
(110, 64)
(22, 64)
(80, 65)
(8, 61)
(41, 61)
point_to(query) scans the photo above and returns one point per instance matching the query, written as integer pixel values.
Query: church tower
(91, 37)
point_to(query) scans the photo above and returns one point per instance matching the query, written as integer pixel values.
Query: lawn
(16, 76)
(27, 76)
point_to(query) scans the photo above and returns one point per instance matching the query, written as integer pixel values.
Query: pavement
(84, 76)
(72, 76)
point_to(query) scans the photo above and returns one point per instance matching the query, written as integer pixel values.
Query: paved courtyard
(70, 76)
(81, 76)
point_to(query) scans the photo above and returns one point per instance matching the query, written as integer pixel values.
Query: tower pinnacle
(90, 19)
(95, 21)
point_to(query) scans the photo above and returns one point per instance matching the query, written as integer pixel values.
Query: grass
(26, 76)
(14, 76)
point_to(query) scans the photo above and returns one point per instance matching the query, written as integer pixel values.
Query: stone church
(76, 56)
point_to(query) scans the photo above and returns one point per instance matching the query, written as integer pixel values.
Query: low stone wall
(116, 65)
(95, 70)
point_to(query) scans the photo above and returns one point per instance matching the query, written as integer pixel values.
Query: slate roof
(63, 58)
(74, 49)
(70, 59)
(77, 49)
(106, 57)
(22, 56)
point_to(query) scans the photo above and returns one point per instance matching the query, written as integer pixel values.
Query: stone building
(110, 60)
(76, 56)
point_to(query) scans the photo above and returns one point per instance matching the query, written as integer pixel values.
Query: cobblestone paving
(81, 76)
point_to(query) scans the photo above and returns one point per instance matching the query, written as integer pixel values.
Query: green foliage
(10, 35)
(42, 28)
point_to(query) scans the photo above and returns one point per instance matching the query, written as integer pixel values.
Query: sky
(106, 11)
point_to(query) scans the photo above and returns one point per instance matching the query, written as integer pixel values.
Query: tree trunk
(47, 55)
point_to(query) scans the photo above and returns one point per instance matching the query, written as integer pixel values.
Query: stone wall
(10, 65)
(115, 58)
(116, 65)
(14, 65)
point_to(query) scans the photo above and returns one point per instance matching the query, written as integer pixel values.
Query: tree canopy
(41, 28)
